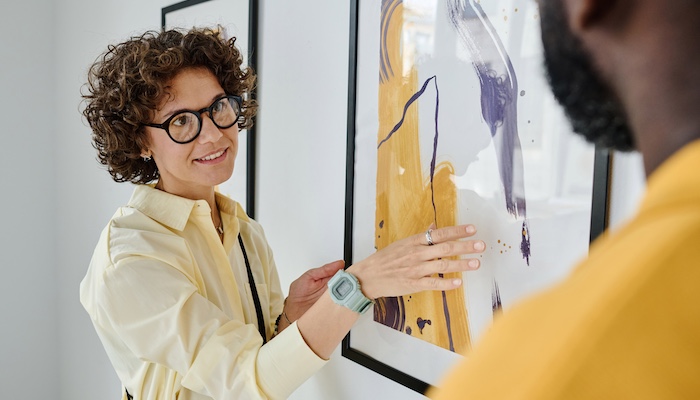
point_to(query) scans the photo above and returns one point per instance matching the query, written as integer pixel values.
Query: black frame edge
(175, 7)
(346, 350)
(350, 145)
(251, 144)
(385, 370)
(601, 192)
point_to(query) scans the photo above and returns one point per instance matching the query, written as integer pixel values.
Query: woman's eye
(219, 106)
(180, 120)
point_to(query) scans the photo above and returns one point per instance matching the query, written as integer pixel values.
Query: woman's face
(192, 170)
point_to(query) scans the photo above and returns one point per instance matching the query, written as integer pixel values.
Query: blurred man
(626, 323)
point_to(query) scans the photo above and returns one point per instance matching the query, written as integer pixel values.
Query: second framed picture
(451, 121)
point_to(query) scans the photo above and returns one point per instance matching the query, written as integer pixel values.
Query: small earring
(147, 159)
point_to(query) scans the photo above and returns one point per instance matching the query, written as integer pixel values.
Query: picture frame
(574, 201)
(239, 18)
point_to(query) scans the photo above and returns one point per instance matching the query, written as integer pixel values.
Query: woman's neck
(207, 194)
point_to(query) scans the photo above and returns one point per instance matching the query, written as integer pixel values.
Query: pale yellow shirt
(173, 306)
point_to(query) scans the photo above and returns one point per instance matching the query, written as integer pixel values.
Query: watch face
(342, 288)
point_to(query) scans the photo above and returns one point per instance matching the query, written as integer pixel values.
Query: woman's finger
(446, 266)
(436, 283)
(434, 236)
(451, 249)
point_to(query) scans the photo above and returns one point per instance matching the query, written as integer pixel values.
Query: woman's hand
(411, 265)
(304, 291)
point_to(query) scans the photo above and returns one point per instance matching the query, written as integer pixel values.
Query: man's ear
(583, 14)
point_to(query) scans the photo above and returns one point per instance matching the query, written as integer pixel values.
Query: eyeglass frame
(165, 125)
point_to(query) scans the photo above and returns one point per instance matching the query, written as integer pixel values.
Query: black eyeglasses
(185, 126)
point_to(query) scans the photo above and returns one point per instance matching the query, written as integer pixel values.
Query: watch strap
(358, 302)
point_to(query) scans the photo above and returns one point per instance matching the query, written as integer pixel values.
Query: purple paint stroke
(499, 101)
(410, 101)
(391, 312)
(496, 305)
(432, 174)
(385, 69)
(448, 321)
(433, 159)
(398, 125)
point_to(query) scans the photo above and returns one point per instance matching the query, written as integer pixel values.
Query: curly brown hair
(128, 82)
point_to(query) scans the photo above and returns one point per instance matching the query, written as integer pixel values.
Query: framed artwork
(451, 121)
(239, 19)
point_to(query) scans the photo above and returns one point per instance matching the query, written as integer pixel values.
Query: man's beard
(589, 102)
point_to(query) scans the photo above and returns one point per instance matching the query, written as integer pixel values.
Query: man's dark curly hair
(128, 82)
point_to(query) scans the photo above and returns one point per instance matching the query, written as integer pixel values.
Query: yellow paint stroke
(404, 197)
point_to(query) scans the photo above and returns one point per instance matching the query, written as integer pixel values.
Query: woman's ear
(584, 14)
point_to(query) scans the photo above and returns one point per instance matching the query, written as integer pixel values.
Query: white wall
(87, 196)
(56, 194)
(28, 340)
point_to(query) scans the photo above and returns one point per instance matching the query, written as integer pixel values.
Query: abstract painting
(238, 19)
(450, 122)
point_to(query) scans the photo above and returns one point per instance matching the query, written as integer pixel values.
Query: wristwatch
(345, 290)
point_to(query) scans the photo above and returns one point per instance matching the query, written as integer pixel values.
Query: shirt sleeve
(162, 318)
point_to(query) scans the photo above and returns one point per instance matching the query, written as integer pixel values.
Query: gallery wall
(28, 309)
(57, 198)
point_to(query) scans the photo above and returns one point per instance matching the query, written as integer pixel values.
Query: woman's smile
(213, 158)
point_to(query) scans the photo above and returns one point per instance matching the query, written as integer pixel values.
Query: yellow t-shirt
(624, 325)
(173, 307)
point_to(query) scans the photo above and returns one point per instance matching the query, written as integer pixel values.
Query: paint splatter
(421, 324)
(409, 330)
(525, 242)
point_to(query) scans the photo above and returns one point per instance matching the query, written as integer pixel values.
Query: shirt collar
(676, 181)
(174, 211)
(228, 206)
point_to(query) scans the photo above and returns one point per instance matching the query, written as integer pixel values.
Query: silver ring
(429, 238)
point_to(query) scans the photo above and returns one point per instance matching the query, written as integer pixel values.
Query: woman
(182, 287)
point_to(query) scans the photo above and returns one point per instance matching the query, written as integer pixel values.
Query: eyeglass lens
(187, 124)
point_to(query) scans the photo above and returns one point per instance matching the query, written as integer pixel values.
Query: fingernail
(479, 245)
(456, 282)
(471, 229)
(474, 263)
